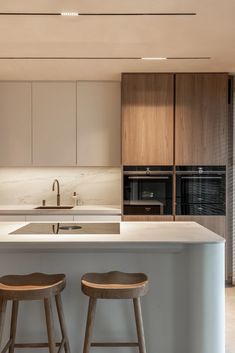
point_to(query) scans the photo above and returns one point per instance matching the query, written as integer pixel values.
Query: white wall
(30, 185)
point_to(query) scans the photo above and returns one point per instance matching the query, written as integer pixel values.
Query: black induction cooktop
(69, 228)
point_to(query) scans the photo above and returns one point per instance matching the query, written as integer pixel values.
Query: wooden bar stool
(35, 286)
(114, 285)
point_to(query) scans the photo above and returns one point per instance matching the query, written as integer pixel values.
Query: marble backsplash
(29, 186)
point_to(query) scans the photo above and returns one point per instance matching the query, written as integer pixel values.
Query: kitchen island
(184, 309)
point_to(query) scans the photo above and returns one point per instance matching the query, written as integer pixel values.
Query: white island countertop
(131, 235)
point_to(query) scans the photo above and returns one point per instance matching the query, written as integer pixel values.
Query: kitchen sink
(53, 208)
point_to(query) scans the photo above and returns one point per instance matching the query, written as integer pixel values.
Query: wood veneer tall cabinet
(215, 223)
(54, 123)
(15, 124)
(201, 118)
(147, 119)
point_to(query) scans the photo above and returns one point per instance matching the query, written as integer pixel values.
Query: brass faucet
(58, 190)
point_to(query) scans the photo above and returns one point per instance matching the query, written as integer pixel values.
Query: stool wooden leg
(89, 324)
(14, 315)
(3, 305)
(49, 322)
(62, 322)
(139, 325)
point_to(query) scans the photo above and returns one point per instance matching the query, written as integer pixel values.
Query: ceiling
(211, 33)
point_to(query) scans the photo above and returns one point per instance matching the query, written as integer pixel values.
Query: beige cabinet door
(15, 124)
(147, 119)
(98, 123)
(54, 123)
(201, 117)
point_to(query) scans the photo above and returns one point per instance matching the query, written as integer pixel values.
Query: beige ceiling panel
(98, 5)
(210, 33)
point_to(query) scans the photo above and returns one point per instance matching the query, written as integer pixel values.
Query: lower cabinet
(49, 218)
(97, 218)
(147, 218)
(12, 218)
(60, 218)
(215, 223)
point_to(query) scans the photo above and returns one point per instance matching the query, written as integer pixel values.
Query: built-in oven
(201, 190)
(147, 190)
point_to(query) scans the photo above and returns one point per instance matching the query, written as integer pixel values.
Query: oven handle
(200, 177)
(150, 173)
(148, 177)
(205, 172)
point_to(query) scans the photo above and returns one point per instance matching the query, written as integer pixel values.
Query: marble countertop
(78, 210)
(132, 235)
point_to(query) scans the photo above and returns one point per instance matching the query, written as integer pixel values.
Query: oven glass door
(145, 194)
(200, 194)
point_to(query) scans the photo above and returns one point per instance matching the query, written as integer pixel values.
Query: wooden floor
(230, 320)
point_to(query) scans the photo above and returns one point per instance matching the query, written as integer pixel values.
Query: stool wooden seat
(114, 285)
(34, 286)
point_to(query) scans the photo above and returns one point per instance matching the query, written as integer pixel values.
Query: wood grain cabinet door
(201, 115)
(215, 223)
(147, 119)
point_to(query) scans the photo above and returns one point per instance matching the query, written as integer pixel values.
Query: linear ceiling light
(150, 58)
(178, 58)
(190, 58)
(101, 58)
(71, 13)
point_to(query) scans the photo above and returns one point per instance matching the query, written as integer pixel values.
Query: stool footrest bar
(34, 345)
(114, 344)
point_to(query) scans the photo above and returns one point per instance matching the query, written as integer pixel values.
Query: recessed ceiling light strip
(140, 14)
(101, 58)
(70, 13)
(66, 58)
(151, 58)
(190, 58)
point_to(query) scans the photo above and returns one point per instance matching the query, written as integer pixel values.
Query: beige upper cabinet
(147, 119)
(54, 123)
(15, 124)
(201, 115)
(98, 123)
